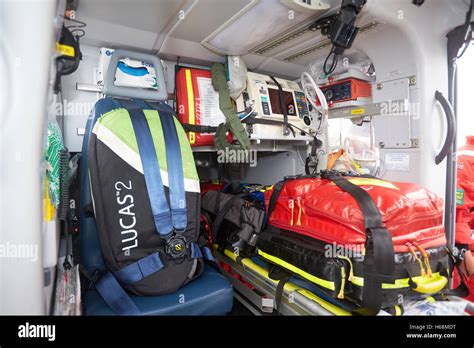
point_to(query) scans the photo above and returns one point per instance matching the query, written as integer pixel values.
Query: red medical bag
(197, 103)
(343, 233)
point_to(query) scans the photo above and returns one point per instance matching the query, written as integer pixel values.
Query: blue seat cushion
(210, 294)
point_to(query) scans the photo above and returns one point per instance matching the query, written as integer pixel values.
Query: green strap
(221, 141)
(233, 123)
(220, 137)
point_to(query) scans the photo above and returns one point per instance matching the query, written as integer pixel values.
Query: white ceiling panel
(261, 20)
(189, 52)
(145, 15)
(104, 34)
(206, 16)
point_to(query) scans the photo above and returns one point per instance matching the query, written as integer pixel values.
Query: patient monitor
(264, 98)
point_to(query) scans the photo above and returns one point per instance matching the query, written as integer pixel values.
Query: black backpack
(145, 191)
(236, 217)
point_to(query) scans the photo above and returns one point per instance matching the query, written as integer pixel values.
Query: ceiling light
(253, 25)
(326, 43)
(270, 46)
(319, 46)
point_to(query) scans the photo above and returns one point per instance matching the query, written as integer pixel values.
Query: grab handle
(451, 132)
(425, 285)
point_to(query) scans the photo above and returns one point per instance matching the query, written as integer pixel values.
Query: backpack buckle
(176, 247)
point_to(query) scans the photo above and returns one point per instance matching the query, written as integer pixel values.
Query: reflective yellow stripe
(324, 283)
(373, 182)
(398, 311)
(290, 287)
(399, 283)
(191, 114)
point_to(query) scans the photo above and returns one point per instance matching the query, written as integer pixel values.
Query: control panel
(301, 104)
(347, 92)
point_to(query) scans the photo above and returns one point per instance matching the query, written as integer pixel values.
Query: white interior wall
(22, 138)
(78, 104)
(408, 44)
(465, 106)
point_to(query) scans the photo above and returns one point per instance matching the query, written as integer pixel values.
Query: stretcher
(254, 288)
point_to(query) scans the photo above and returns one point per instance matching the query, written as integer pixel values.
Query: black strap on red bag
(379, 259)
(274, 197)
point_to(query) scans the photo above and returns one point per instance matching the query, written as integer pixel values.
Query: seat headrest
(112, 90)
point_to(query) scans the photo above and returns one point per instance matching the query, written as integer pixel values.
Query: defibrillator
(270, 98)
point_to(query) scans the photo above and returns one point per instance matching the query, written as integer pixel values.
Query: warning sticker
(399, 162)
(208, 103)
(357, 111)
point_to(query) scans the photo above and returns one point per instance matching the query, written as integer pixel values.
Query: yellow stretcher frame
(248, 265)
(289, 287)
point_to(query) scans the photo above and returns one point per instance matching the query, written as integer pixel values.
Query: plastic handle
(433, 285)
(451, 133)
(110, 89)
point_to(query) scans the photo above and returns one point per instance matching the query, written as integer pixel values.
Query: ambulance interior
(387, 106)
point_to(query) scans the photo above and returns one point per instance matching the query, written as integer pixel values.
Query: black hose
(335, 60)
(64, 202)
(64, 184)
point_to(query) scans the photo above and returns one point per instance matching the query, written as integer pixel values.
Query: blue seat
(210, 294)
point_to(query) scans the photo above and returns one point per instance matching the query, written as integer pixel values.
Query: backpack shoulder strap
(152, 173)
(179, 214)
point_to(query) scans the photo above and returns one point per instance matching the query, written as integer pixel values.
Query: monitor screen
(288, 101)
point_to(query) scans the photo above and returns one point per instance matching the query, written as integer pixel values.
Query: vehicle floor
(239, 309)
